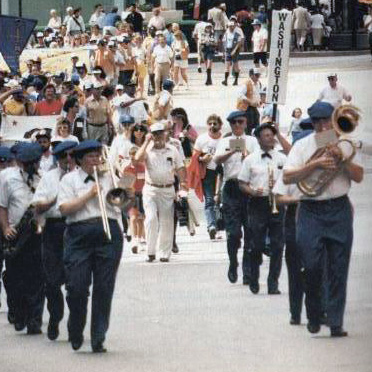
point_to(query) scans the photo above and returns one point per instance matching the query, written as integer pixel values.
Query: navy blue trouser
(235, 214)
(264, 223)
(52, 257)
(25, 283)
(293, 261)
(89, 256)
(325, 228)
(209, 190)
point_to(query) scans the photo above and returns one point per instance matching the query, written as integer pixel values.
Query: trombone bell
(117, 197)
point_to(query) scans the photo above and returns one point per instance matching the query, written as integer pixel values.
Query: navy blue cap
(306, 124)
(64, 146)
(236, 114)
(261, 127)
(15, 148)
(320, 110)
(5, 154)
(29, 152)
(126, 119)
(87, 146)
(37, 83)
(296, 136)
(168, 84)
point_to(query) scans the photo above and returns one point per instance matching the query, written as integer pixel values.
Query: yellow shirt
(13, 107)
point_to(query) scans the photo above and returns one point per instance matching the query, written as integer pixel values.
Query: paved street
(185, 315)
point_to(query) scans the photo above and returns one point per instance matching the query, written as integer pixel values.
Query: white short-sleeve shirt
(333, 96)
(207, 145)
(162, 54)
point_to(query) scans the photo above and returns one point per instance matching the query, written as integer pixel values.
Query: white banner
(279, 56)
(13, 128)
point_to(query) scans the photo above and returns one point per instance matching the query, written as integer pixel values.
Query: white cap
(69, 8)
(332, 74)
(74, 55)
(39, 34)
(97, 85)
(111, 43)
(120, 39)
(208, 25)
(157, 33)
(96, 71)
(79, 64)
(88, 85)
(230, 23)
(119, 87)
(157, 127)
(113, 38)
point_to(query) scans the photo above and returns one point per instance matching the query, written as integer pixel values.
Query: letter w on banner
(279, 56)
(13, 128)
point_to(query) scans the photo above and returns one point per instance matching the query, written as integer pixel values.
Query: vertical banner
(14, 34)
(279, 56)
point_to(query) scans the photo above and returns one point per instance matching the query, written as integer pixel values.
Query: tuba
(345, 119)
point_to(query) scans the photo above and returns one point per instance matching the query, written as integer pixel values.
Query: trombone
(272, 199)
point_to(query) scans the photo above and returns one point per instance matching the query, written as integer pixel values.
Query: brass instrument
(344, 121)
(272, 198)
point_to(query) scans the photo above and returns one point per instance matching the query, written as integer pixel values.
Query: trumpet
(345, 119)
(272, 199)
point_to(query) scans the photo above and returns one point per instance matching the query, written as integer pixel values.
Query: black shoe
(235, 82)
(274, 291)
(76, 342)
(212, 233)
(246, 280)
(34, 330)
(224, 83)
(151, 258)
(295, 320)
(338, 332)
(98, 348)
(53, 331)
(11, 317)
(199, 70)
(254, 287)
(175, 248)
(232, 274)
(19, 326)
(163, 259)
(313, 327)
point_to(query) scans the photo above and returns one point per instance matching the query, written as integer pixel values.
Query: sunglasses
(142, 129)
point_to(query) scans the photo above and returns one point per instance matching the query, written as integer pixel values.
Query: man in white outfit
(162, 162)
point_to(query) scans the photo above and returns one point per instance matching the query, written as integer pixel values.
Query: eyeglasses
(238, 121)
(142, 129)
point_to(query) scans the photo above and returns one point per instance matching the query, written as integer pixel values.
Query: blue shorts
(208, 52)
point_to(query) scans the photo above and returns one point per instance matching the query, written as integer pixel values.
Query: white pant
(158, 204)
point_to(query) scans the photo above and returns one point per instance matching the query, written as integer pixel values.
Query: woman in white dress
(317, 29)
(181, 53)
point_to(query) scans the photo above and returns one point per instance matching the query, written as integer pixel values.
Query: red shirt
(139, 171)
(45, 108)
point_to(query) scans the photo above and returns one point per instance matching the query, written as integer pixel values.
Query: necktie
(266, 155)
(89, 178)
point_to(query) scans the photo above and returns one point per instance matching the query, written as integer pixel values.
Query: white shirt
(228, 38)
(15, 195)
(258, 38)
(233, 164)
(73, 186)
(136, 109)
(157, 21)
(216, 15)
(97, 19)
(164, 98)
(46, 164)
(162, 164)
(198, 29)
(290, 190)
(300, 153)
(55, 23)
(178, 145)
(317, 21)
(73, 26)
(255, 169)
(70, 137)
(162, 54)
(119, 149)
(47, 190)
(333, 96)
(207, 145)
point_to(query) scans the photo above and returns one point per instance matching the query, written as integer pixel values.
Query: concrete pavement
(185, 316)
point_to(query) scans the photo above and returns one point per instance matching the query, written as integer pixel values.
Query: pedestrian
(368, 26)
(331, 208)
(89, 255)
(139, 54)
(147, 44)
(232, 43)
(334, 93)
(99, 124)
(196, 34)
(257, 178)
(156, 20)
(44, 200)
(75, 24)
(43, 138)
(24, 274)
(127, 69)
(205, 149)
(317, 27)
(259, 41)
(50, 105)
(135, 18)
(63, 131)
(163, 103)
(162, 163)
(181, 51)
(162, 61)
(98, 17)
(301, 23)
(231, 152)
(75, 120)
(208, 44)
(216, 15)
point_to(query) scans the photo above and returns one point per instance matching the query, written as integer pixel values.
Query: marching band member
(162, 162)
(324, 222)
(44, 200)
(231, 154)
(43, 138)
(24, 269)
(257, 177)
(88, 252)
